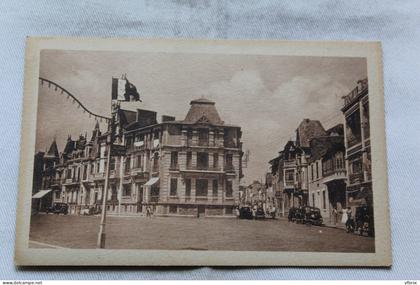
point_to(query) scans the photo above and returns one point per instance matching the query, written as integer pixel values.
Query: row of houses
(189, 167)
(328, 169)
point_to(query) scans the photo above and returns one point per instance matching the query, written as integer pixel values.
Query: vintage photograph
(189, 150)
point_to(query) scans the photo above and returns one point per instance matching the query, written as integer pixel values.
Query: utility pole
(109, 142)
(101, 234)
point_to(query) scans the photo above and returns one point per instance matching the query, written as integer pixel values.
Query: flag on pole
(118, 89)
(123, 90)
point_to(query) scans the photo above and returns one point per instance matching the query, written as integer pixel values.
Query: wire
(75, 100)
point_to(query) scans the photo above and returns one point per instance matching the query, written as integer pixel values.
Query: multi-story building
(327, 174)
(186, 167)
(277, 180)
(310, 170)
(357, 143)
(193, 166)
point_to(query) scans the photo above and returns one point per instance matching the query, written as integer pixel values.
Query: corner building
(190, 167)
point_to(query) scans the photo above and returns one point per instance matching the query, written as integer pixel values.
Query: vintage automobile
(58, 208)
(295, 215)
(245, 213)
(260, 214)
(312, 216)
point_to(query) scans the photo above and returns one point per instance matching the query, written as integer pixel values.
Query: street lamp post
(109, 143)
(101, 234)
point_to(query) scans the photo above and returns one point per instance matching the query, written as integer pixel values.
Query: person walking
(148, 212)
(349, 222)
(335, 216)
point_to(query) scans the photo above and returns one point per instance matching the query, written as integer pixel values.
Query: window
(229, 164)
(112, 164)
(215, 160)
(366, 129)
(312, 172)
(127, 164)
(139, 140)
(229, 190)
(138, 161)
(173, 209)
(203, 137)
(202, 160)
(174, 160)
(57, 195)
(68, 173)
(290, 176)
(317, 170)
(114, 192)
(126, 190)
(323, 200)
(92, 168)
(353, 128)
(201, 187)
(189, 159)
(356, 166)
(174, 186)
(215, 188)
(313, 200)
(156, 162)
(188, 187)
(189, 136)
(84, 172)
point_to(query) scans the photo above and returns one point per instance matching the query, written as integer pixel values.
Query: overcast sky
(267, 96)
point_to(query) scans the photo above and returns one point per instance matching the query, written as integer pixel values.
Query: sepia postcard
(195, 152)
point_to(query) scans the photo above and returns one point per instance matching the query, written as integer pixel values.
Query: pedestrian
(237, 211)
(254, 211)
(148, 214)
(349, 222)
(335, 215)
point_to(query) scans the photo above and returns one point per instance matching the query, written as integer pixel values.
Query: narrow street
(177, 233)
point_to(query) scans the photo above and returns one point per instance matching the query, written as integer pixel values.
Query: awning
(41, 194)
(152, 181)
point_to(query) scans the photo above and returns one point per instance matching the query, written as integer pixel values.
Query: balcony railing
(336, 171)
(289, 182)
(289, 163)
(229, 168)
(356, 178)
(174, 167)
(351, 97)
(203, 168)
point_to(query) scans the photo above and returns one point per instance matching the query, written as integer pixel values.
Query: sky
(268, 96)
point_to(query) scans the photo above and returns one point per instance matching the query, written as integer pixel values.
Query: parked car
(260, 214)
(58, 208)
(312, 216)
(245, 213)
(295, 215)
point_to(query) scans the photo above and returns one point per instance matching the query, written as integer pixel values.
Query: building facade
(357, 143)
(186, 167)
(327, 176)
(311, 171)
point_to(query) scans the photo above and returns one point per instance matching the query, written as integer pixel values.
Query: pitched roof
(53, 151)
(307, 130)
(203, 111)
(70, 146)
(325, 146)
(336, 130)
